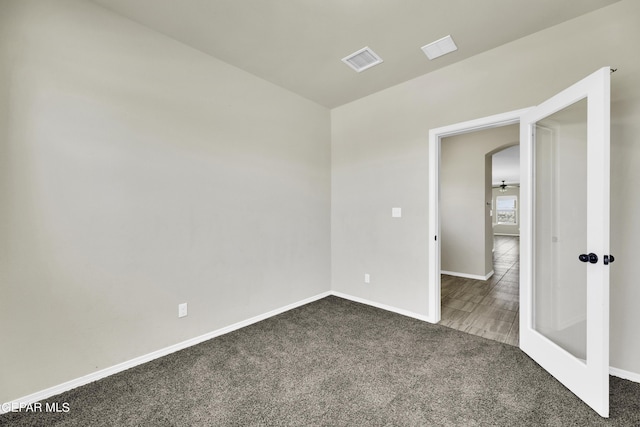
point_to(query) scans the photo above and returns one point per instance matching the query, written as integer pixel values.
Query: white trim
(625, 375)
(435, 135)
(103, 373)
(616, 372)
(468, 276)
(590, 381)
(384, 307)
(55, 390)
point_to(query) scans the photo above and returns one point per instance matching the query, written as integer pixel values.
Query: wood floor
(487, 308)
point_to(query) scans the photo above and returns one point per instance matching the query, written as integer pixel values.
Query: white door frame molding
(435, 137)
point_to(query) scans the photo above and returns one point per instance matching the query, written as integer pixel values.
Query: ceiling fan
(503, 187)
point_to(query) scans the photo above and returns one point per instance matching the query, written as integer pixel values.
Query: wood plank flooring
(488, 308)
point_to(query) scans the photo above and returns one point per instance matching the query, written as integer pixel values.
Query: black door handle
(608, 259)
(592, 258)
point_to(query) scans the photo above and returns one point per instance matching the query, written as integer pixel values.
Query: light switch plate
(396, 212)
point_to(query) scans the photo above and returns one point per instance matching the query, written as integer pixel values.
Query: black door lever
(608, 259)
(592, 258)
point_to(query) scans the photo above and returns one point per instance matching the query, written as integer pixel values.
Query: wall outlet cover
(182, 309)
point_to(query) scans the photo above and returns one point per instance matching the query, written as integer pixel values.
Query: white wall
(465, 236)
(136, 174)
(380, 158)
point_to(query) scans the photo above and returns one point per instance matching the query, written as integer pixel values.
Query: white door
(564, 278)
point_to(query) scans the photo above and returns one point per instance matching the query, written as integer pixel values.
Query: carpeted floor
(336, 363)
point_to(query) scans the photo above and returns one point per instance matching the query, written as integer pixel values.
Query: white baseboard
(506, 234)
(625, 375)
(384, 307)
(620, 373)
(103, 373)
(468, 276)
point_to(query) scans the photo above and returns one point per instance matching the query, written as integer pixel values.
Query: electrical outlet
(367, 278)
(182, 310)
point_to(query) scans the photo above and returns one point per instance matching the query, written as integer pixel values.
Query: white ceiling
(506, 166)
(299, 44)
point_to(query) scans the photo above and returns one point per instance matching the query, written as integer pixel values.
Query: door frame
(435, 139)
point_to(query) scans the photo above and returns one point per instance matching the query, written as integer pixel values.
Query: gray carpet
(336, 363)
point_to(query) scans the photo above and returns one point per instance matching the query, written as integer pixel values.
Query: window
(506, 210)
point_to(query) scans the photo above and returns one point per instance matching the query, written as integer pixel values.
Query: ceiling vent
(362, 59)
(440, 47)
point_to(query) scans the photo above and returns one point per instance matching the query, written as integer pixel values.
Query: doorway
(544, 143)
(489, 308)
(479, 229)
(435, 137)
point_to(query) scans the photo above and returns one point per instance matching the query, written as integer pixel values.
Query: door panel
(564, 321)
(560, 293)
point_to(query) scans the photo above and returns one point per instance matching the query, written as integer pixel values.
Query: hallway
(488, 308)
